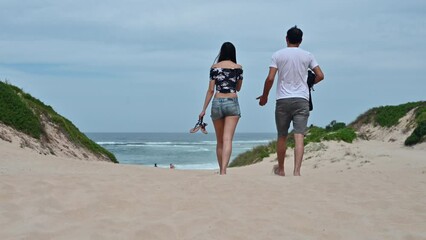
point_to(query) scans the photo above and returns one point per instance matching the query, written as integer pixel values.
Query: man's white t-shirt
(292, 64)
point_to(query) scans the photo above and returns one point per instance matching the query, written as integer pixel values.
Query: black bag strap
(311, 82)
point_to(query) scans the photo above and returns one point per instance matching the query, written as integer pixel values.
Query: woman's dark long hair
(227, 52)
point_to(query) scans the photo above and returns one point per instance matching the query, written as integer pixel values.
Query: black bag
(311, 82)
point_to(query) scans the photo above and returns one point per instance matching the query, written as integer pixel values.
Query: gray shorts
(223, 107)
(291, 109)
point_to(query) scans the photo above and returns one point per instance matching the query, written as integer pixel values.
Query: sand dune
(364, 190)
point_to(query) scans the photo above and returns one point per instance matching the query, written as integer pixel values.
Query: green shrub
(389, 116)
(334, 126)
(344, 134)
(21, 111)
(15, 112)
(250, 157)
(386, 116)
(315, 134)
(418, 135)
(421, 114)
(335, 131)
(412, 140)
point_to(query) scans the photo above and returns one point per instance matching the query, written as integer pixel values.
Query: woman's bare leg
(228, 135)
(218, 127)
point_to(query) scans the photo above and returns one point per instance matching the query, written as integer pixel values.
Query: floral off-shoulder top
(226, 78)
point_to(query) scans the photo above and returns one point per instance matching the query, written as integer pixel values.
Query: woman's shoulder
(227, 66)
(238, 66)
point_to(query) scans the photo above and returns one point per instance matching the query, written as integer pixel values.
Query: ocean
(183, 150)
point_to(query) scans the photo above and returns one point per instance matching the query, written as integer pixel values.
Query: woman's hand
(201, 114)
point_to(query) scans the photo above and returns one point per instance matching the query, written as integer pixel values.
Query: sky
(143, 66)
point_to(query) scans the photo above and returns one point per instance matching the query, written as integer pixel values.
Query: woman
(226, 77)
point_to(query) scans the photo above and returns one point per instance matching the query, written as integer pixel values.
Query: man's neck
(293, 45)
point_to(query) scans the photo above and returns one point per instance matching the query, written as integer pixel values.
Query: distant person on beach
(226, 77)
(172, 166)
(292, 95)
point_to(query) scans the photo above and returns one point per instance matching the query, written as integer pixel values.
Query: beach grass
(25, 113)
(389, 116)
(16, 113)
(337, 131)
(385, 116)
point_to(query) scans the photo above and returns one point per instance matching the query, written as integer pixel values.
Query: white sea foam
(185, 151)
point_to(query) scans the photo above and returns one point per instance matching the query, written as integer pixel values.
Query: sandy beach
(364, 190)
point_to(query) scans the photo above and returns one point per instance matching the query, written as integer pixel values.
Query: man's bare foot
(278, 171)
(297, 174)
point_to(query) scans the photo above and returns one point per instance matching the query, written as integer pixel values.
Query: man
(292, 105)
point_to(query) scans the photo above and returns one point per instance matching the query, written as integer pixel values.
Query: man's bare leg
(298, 153)
(281, 149)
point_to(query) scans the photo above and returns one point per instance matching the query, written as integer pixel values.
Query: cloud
(159, 52)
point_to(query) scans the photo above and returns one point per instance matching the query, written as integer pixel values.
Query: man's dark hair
(294, 35)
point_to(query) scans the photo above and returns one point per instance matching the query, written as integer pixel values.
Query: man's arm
(319, 75)
(269, 82)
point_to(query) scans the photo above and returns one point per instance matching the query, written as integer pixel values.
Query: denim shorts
(223, 107)
(294, 110)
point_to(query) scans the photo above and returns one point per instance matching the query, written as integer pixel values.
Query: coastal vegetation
(337, 131)
(26, 114)
(385, 117)
(14, 111)
(389, 116)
